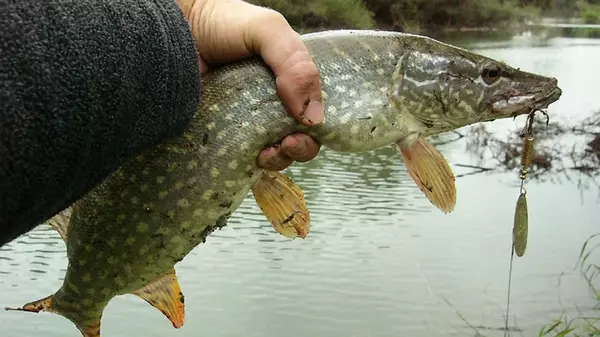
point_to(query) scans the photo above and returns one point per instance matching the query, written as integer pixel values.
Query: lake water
(380, 259)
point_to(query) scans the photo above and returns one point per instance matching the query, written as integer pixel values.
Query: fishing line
(512, 255)
(522, 192)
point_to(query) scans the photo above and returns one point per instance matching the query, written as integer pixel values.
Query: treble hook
(528, 130)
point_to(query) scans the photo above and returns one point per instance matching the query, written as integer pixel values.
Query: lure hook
(528, 130)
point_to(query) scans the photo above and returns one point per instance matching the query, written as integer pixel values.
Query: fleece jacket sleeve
(84, 86)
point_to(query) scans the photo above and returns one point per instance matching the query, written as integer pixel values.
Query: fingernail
(314, 113)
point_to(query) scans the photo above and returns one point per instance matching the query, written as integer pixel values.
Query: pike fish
(379, 89)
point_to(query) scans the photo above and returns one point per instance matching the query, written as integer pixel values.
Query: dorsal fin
(282, 202)
(164, 293)
(60, 222)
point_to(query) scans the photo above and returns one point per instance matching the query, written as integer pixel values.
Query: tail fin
(89, 329)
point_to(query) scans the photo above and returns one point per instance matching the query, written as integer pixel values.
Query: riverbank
(429, 17)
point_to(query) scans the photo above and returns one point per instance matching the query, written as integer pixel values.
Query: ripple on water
(41, 251)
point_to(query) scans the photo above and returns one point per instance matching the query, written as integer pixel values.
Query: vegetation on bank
(425, 15)
(586, 10)
(590, 13)
(585, 324)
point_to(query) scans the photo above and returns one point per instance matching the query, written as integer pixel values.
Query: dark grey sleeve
(84, 85)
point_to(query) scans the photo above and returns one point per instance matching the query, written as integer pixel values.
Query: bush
(320, 14)
(428, 15)
(590, 14)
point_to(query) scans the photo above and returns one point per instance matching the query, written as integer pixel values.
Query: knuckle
(306, 72)
(272, 17)
(262, 161)
(279, 163)
(275, 16)
(275, 161)
(301, 82)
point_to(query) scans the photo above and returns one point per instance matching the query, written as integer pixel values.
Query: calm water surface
(380, 259)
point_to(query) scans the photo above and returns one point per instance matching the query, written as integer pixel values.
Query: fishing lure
(521, 219)
(521, 225)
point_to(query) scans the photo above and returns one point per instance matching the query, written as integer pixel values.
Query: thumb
(228, 30)
(297, 77)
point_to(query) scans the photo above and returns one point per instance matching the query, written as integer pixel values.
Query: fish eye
(491, 74)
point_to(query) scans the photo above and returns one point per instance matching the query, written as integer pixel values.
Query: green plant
(407, 15)
(591, 15)
(582, 325)
(322, 13)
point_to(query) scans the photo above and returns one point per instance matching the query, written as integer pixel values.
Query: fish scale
(379, 88)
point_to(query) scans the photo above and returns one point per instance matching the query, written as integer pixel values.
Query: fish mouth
(545, 101)
(524, 104)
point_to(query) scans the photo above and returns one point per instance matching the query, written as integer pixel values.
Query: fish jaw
(526, 98)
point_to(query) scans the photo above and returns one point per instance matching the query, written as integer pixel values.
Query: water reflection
(562, 151)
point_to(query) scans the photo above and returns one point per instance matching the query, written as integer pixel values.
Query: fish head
(443, 87)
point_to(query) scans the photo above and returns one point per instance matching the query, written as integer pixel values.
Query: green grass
(583, 325)
(589, 12)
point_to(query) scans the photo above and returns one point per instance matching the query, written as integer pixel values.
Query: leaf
(552, 327)
(565, 332)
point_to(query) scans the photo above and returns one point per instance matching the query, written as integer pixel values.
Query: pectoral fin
(165, 294)
(430, 171)
(282, 202)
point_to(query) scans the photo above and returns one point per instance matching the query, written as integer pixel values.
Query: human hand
(229, 30)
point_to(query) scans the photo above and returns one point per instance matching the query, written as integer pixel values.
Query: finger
(300, 147)
(203, 66)
(297, 76)
(273, 159)
(229, 30)
(300, 91)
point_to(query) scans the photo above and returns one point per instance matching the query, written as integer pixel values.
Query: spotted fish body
(379, 88)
